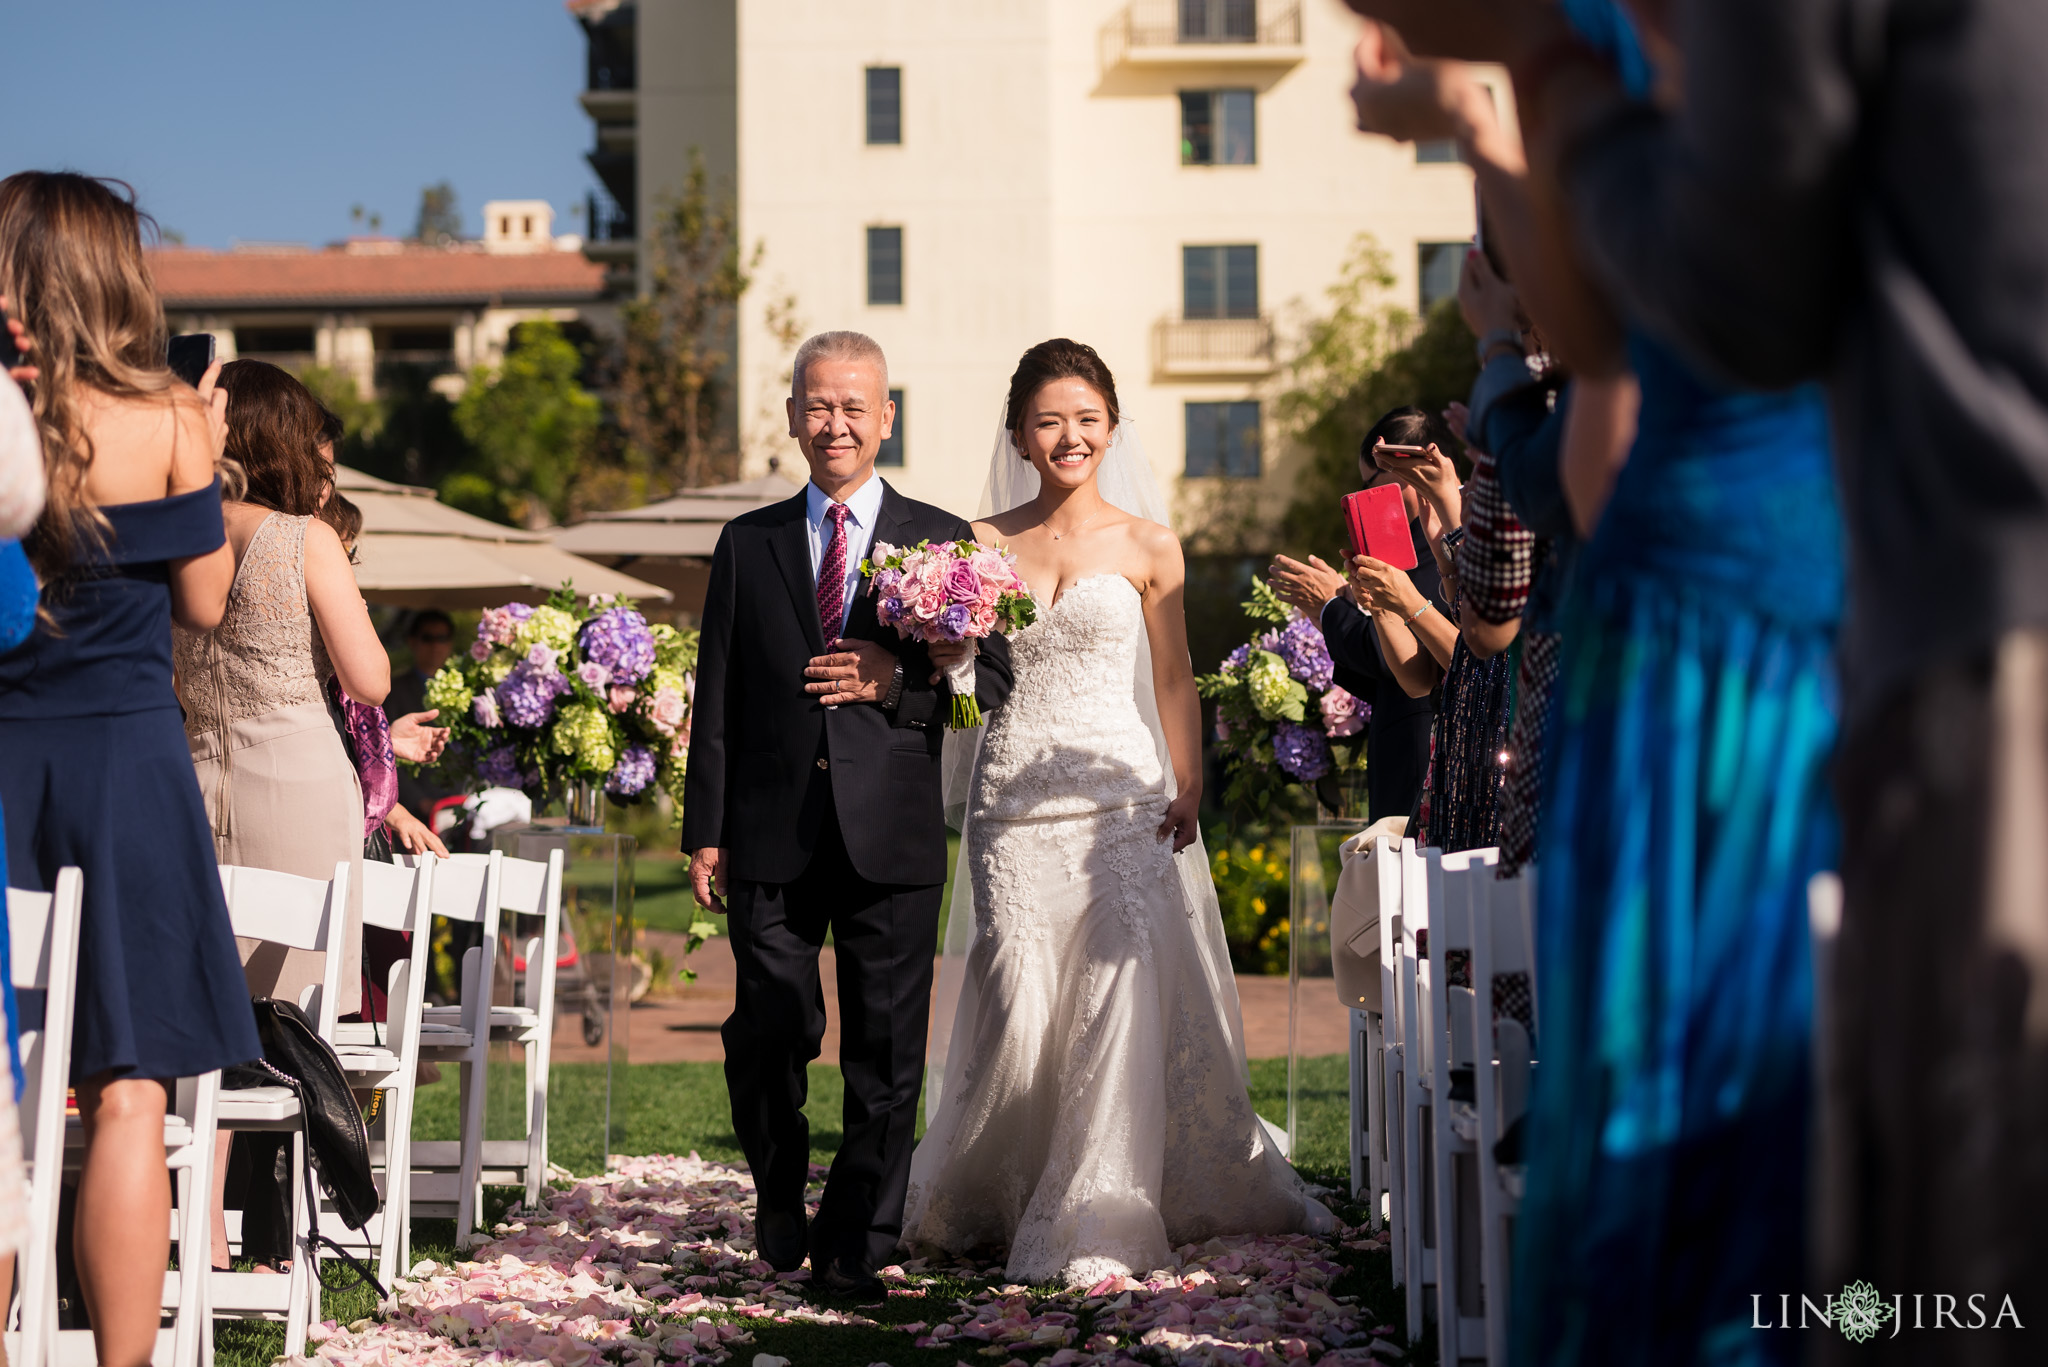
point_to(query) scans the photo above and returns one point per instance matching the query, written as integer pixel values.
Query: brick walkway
(683, 1026)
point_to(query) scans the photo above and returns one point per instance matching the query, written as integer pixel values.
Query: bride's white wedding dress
(1093, 1112)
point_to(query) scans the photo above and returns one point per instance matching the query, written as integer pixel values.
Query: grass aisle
(680, 1108)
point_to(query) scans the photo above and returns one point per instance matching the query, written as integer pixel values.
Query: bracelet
(895, 693)
(1426, 605)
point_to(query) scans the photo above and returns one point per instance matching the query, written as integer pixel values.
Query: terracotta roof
(189, 278)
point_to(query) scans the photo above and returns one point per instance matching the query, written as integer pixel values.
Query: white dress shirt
(865, 505)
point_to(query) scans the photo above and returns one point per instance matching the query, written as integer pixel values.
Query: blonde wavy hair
(73, 271)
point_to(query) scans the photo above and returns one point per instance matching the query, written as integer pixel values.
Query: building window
(1219, 282)
(1437, 267)
(1219, 21)
(885, 105)
(1223, 439)
(885, 265)
(1216, 128)
(1436, 150)
(891, 453)
(273, 341)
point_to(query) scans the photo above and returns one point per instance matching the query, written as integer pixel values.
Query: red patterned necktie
(832, 573)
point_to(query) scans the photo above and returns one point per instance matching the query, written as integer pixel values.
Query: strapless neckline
(1061, 595)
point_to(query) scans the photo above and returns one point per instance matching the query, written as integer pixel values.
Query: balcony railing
(1213, 346)
(609, 220)
(1184, 31)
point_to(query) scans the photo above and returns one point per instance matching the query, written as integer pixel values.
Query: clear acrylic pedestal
(586, 1081)
(1313, 867)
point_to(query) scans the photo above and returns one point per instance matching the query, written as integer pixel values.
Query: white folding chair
(531, 888)
(1454, 1116)
(385, 1059)
(446, 1179)
(1412, 1083)
(42, 929)
(1368, 891)
(301, 913)
(1500, 947)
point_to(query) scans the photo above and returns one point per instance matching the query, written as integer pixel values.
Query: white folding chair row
(530, 888)
(1502, 918)
(1454, 882)
(298, 913)
(1408, 1088)
(384, 1058)
(43, 932)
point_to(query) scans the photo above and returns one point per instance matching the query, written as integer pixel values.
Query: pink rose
(931, 603)
(682, 745)
(990, 566)
(963, 585)
(1340, 714)
(594, 675)
(622, 697)
(931, 575)
(981, 619)
(479, 649)
(667, 710)
(991, 593)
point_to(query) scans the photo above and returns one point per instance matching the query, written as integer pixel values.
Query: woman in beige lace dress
(279, 788)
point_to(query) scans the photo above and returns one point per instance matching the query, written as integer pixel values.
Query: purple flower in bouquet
(499, 768)
(485, 710)
(541, 658)
(1301, 645)
(527, 695)
(1239, 658)
(497, 625)
(633, 772)
(1342, 713)
(594, 675)
(619, 640)
(963, 583)
(1301, 750)
(955, 618)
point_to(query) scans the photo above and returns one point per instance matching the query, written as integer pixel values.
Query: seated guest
(1391, 674)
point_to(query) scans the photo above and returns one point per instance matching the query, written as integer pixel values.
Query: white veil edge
(1126, 480)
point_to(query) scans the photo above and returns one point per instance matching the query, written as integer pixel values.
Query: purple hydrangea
(632, 774)
(527, 695)
(1303, 753)
(1301, 645)
(619, 640)
(1239, 658)
(499, 768)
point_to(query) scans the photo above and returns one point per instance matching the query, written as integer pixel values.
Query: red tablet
(1379, 525)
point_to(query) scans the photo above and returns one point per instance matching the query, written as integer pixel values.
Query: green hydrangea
(1277, 694)
(498, 666)
(549, 627)
(584, 732)
(664, 678)
(448, 691)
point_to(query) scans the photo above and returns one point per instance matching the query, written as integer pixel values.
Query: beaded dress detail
(1094, 1113)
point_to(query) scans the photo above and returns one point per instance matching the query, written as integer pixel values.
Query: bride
(1088, 1105)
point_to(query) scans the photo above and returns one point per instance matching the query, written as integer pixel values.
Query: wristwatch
(895, 693)
(1452, 537)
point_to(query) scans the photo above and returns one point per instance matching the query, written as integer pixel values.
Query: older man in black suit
(813, 802)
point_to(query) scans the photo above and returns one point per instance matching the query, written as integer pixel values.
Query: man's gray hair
(842, 345)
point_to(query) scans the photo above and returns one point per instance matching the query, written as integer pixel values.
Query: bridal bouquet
(570, 692)
(952, 591)
(1280, 716)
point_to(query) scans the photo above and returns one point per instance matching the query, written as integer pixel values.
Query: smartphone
(1402, 450)
(188, 356)
(1378, 521)
(10, 354)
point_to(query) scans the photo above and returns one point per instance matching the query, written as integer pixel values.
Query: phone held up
(188, 356)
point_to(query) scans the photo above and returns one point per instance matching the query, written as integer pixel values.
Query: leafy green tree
(675, 384)
(531, 424)
(440, 221)
(1367, 355)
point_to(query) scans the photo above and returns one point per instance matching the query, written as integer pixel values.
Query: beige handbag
(1355, 916)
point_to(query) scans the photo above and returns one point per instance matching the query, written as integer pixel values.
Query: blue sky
(269, 120)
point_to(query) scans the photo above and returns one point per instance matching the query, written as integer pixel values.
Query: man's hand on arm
(707, 879)
(946, 654)
(855, 671)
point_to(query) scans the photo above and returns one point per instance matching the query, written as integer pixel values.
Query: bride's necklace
(1061, 536)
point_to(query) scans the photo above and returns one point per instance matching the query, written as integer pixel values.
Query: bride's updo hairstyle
(1058, 359)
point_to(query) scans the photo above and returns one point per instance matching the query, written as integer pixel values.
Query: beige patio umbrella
(416, 551)
(670, 542)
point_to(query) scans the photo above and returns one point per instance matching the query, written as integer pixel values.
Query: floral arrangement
(1280, 717)
(571, 691)
(951, 591)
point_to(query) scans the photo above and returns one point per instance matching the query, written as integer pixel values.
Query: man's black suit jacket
(762, 749)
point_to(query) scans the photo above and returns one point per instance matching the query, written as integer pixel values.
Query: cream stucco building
(1176, 182)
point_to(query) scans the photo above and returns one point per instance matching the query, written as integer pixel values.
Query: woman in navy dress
(94, 770)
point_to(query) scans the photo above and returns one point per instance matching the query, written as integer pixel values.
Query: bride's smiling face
(1066, 432)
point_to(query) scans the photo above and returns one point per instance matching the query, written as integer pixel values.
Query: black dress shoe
(846, 1279)
(780, 1238)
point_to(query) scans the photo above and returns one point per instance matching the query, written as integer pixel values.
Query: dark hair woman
(97, 774)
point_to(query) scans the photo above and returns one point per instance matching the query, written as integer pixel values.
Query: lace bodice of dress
(266, 653)
(1070, 739)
